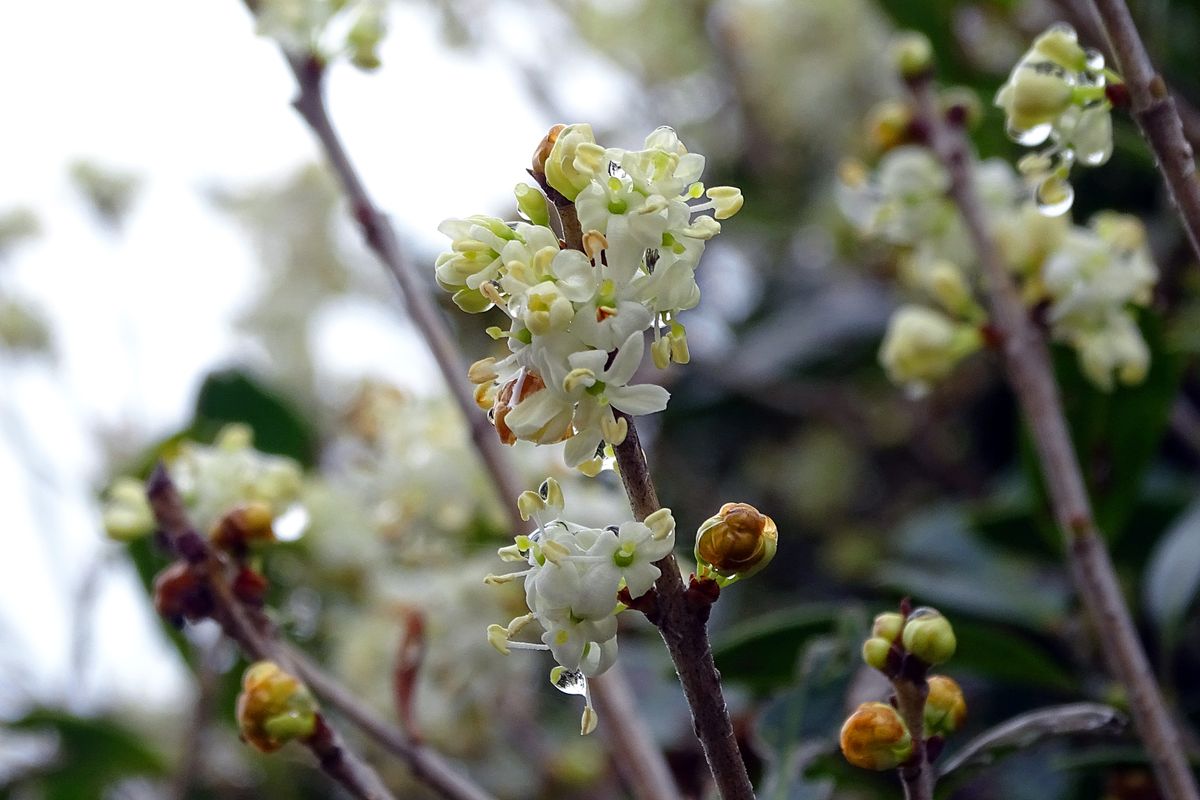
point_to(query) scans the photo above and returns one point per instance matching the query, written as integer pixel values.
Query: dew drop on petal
(568, 681)
(1054, 197)
(1031, 137)
(1095, 59)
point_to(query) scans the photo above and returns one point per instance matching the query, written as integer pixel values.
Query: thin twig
(1154, 109)
(1083, 16)
(647, 762)
(1027, 360)
(681, 617)
(254, 634)
(918, 775)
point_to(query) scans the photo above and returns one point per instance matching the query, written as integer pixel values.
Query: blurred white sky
(186, 96)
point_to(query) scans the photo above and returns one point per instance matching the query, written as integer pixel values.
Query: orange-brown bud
(543, 151)
(874, 737)
(274, 707)
(945, 707)
(736, 542)
(244, 527)
(180, 595)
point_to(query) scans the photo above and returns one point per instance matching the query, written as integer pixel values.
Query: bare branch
(256, 637)
(1027, 360)
(1155, 111)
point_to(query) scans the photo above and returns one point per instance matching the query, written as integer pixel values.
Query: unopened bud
(875, 652)
(888, 626)
(180, 595)
(572, 161)
(242, 528)
(532, 204)
(127, 514)
(736, 542)
(929, 636)
(274, 707)
(874, 737)
(912, 54)
(945, 708)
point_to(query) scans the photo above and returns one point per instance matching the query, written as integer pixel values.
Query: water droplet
(1061, 28)
(1095, 158)
(291, 524)
(568, 681)
(1054, 197)
(1095, 59)
(1031, 137)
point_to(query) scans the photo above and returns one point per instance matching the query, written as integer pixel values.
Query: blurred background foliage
(876, 496)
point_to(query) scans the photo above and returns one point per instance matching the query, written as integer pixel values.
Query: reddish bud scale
(180, 595)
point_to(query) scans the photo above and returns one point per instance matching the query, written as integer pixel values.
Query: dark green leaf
(1025, 730)
(762, 652)
(235, 396)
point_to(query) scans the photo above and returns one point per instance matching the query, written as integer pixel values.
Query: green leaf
(999, 654)
(800, 723)
(761, 653)
(92, 754)
(1172, 577)
(235, 396)
(1025, 730)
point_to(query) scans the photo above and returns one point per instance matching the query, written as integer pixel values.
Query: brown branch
(1027, 360)
(1156, 114)
(381, 237)
(681, 616)
(916, 776)
(255, 635)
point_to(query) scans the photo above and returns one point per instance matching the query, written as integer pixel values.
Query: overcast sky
(184, 95)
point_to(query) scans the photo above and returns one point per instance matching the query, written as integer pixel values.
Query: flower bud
(532, 204)
(923, 345)
(874, 737)
(736, 542)
(912, 54)
(573, 160)
(127, 515)
(1033, 97)
(928, 636)
(875, 652)
(180, 595)
(887, 626)
(243, 527)
(274, 707)
(945, 708)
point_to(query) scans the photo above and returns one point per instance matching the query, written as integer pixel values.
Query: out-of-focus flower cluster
(1057, 95)
(326, 28)
(574, 574)
(1088, 279)
(578, 315)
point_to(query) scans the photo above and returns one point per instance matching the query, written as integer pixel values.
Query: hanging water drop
(568, 681)
(1054, 196)
(1094, 59)
(1031, 137)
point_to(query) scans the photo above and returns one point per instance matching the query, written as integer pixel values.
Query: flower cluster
(571, 583)
(326, 28)
(1057, 94)
(214, 480)
(579, 309)
(903, 646)
(1088, 279)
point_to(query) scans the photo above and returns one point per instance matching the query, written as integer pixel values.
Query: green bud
(875, 652)
(274, 707)
(532, 204)
(887, 626)
(929, 637)
(912, 54)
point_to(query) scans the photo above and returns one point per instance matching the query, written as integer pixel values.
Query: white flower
(629, 554)
(922, 346)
